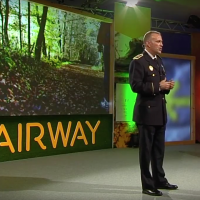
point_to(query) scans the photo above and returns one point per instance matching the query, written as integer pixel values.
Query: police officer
(147, 79)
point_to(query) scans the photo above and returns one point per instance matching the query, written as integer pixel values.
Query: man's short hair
(148, 35)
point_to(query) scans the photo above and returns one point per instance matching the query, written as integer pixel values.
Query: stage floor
(111, 174)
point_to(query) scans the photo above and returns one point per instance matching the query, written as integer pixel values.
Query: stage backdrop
(52, 62)
(131, 23)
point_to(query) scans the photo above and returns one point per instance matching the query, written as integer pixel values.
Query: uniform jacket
(145, 75)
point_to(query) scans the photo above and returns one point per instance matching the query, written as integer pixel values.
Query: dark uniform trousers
(151, 149)
(150, 116)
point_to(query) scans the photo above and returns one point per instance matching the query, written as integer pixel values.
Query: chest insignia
(150, 68)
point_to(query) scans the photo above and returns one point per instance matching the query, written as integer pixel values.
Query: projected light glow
(125, 100)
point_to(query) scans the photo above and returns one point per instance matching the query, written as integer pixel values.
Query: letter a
(82, 137)
(8, 141)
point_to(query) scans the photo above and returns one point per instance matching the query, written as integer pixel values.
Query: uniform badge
(150, 68)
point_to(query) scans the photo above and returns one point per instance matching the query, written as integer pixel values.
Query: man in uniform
(147, 79)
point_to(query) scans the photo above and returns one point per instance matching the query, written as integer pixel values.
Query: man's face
(155, 44)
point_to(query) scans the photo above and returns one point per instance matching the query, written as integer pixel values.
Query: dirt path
(68, 90)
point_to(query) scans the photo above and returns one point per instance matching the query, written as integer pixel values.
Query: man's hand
(165, 85)
(172, 83)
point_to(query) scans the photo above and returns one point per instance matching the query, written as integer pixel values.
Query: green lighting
(125, 101)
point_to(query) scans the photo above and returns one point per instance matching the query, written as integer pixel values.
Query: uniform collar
(153, 57)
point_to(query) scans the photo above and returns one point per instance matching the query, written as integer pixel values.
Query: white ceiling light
(131, 3)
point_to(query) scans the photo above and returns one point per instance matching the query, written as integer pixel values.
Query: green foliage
(6, 60)
(40, 60)
(67, 36)
(54, 63)
(66, 63)
(9, 62)
(68, 39)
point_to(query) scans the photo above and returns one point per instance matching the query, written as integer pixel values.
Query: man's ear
(148, 44)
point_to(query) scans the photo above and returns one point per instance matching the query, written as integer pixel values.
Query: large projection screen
(52, 62)
(180, 101)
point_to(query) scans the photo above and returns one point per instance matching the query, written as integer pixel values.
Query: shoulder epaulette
(138, 56)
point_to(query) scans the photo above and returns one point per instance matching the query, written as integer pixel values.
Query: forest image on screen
(52, 62)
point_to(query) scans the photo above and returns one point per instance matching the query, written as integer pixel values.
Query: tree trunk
(44, 51)
(20, 26)
(29, 29)
(2, 19)
(6, 24)
(70, 40)
(64, 36)
(44, 48)
(60, 35)
(40, 38)
(49, 53)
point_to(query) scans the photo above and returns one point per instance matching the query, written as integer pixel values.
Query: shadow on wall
(130, 50)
